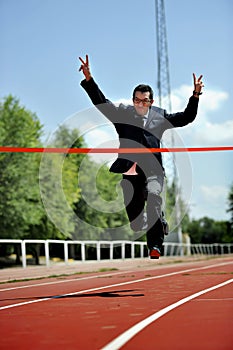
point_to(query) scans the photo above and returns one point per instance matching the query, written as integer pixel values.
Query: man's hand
(85, 68)
(198, 85)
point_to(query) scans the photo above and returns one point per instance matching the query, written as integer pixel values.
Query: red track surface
(90, 311)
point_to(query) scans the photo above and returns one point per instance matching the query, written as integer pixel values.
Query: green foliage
(171, 206)
(18, 171)
(19, 127)
(99, 206)
(207, 230)
(76, 182)
(230, 206)
(59, 183)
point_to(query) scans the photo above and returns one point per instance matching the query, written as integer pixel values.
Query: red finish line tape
(112, 150)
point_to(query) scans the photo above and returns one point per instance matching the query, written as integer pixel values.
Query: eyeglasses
(145, 102)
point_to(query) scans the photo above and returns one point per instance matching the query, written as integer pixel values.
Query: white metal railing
(170, 249)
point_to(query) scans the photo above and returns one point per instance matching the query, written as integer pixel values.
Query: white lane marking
(112, 285)
(90, 277)
(65, 281)
(219, 299)
(122, 339)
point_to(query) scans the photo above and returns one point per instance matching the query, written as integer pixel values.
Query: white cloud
(213, 194)
(216, 133)
(210, 201)
(211, 99)
(203, 131)
(102, 137)
(97, 137)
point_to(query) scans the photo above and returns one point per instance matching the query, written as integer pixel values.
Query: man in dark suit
(141, 126)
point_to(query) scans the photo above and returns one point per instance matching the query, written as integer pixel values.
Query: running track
(179, 306)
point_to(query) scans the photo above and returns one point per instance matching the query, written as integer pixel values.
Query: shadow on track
(111, 294)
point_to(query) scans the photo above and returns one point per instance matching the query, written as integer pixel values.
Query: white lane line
(111, 285)
(65, 281)
(91, 277)
(121, 340)
(219, 299)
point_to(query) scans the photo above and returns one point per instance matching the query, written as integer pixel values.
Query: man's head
(142, 98)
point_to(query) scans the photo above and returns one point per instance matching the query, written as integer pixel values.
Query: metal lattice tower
(163, 78)
(164, 92)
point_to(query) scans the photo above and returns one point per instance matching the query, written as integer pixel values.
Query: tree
(230, 205)
(171, 202)
(59, 184)
(98, 210)
(207, 230)
(19, 192)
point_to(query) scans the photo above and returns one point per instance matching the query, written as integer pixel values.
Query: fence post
(142, 250)
(222, 248)
(188, 241)
(46, 248)
(111, 251)
(83, 255)
(123, 250)
(98, 251)
(165, 249)
(23, 249)
(132, 250)
(66, 257)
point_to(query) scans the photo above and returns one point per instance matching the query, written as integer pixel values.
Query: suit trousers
(143, 205)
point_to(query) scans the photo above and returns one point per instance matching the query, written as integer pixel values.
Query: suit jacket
(132, 133)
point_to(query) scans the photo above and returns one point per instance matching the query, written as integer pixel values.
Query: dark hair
(144, 88)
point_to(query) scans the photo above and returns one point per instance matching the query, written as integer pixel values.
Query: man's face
(142, 102)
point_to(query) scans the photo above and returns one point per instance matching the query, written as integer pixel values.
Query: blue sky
(41, 40)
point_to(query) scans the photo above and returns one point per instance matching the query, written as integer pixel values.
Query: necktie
(144, 120)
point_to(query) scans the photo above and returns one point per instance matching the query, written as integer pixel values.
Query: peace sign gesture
(85, 68)
(198, 84)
